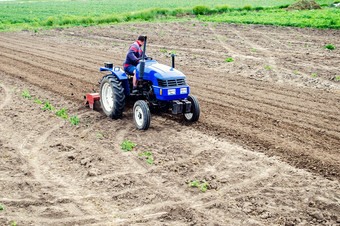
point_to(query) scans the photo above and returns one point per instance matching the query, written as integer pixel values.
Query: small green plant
(193, 24)
(150, 160)
(196, 183)
(229, 59)
(127, 145)
(253, 50)
(296, 72)
(13, 223)
(268, 67)
(314, 74)
(99, 135)
(47, 106)
(329, 46)
(62, 113)
(164, 50)
(37, 100)
(173, 52)
(1, 207)
(147, 153)
(74, 120)
(337, 77)
(25, 94)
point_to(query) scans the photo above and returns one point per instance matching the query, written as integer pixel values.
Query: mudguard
(117, 71)
(121, 76)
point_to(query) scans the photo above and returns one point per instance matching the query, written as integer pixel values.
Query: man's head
(141, 39)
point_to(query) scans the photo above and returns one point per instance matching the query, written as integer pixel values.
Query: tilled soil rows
(267, 142)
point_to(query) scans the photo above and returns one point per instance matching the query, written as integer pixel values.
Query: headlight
(184, 90)
(171, 91)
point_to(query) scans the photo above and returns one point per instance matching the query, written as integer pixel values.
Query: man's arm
(131, 56)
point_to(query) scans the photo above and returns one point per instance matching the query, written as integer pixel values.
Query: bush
(201, 10)
(49, 21)
(247, 7)
(222, 8)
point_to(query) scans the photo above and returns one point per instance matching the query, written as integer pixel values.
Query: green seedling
(150, 160)
(173, 52)
(25, 94)
(37, 100)
(147, 153)
(74, 120)
(99, 135)
(196, 183)
(127, 145)
(62, 113)
(329, 46)
(164, 50)
(296, 72)
(215, 25)
(193, 24)
(1, 207)
(314, 74)
(268, 67)
(229, 59)
(337, 77)
(13, 223)
(47, 106)
(253, 50)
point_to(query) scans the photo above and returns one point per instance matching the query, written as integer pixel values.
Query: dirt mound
(304, 5)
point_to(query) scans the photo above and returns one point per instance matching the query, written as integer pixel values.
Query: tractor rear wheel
(112, 96)
(141, 115)
(194, 114)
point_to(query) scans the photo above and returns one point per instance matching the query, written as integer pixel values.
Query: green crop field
(25, 14)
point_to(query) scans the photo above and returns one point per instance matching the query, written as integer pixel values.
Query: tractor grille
(171, 82)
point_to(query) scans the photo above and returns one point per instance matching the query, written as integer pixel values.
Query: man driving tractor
(133, 56)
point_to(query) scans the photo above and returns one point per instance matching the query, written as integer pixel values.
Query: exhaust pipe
(142, 63)
(173, 60)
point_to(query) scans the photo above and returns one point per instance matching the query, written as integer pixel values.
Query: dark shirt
(134, 54)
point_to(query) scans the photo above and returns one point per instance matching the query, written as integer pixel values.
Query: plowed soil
(267, 142)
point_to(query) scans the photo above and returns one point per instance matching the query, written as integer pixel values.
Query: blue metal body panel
(154, 71)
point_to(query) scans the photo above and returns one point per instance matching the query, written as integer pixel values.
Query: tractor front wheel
(194, 114)
(141, 115)
(112, 96)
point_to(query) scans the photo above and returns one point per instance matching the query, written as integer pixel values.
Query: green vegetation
(37, 100)
(268, 67)
(329, 46)
(150, 160)
(173, 52)
(326, 18)
(337, 77)
(13, 223)
(229, 59)
(39, 14)
(127, 145)
(74, 120)
(25, 94)
(62, 113)
(196, 183)
(47, 106)
(296, 72)
(253, 50)
(1, 207)
(164, 50)
(314, 74)
(99, 135)
(147, 153)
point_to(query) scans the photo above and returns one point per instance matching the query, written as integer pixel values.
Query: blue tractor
(160, 87)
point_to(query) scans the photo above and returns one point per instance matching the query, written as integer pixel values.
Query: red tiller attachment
(91, 99)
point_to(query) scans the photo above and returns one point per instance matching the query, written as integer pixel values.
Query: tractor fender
(117, 71)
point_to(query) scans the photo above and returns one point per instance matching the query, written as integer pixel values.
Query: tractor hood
(161, 71)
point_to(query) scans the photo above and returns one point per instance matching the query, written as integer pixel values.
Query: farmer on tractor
(133, 56)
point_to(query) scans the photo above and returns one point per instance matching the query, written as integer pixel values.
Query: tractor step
(91, 99)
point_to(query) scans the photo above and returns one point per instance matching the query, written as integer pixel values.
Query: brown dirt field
(267, 142)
